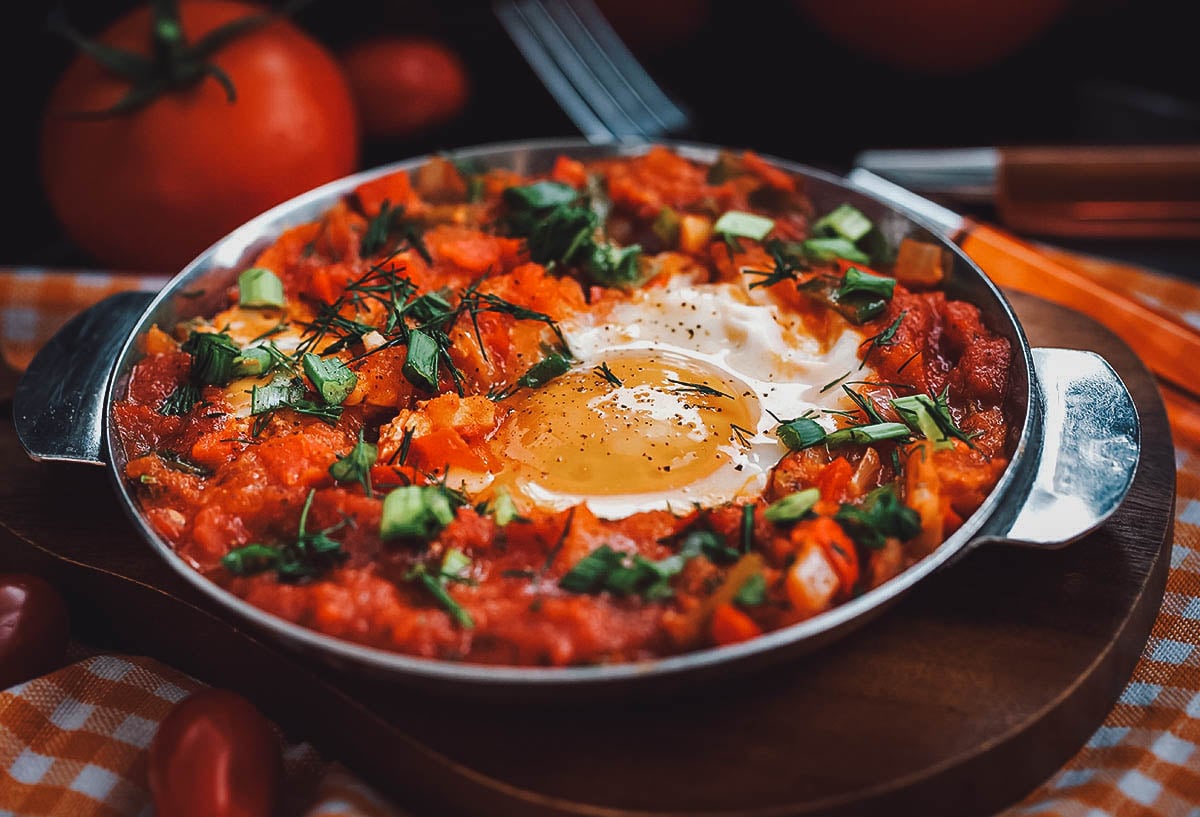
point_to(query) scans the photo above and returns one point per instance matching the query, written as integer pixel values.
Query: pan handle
(1089, 450)
(58, 405)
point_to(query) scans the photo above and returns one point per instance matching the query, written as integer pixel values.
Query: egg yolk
(669, 422)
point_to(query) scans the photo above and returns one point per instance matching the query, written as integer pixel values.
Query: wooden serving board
(958, 701)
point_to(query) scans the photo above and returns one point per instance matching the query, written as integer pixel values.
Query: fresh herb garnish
(390, 223)
(932, 418)
(753, 592)
(864, 403)
(561, 228)
(684, 387)
(603, 371)
(555, 363)
(833, 383)
(621, 574)
(180, 401)
(355, 465)
(176, 462)
(747, 527)
(212, 354)
(452, 569)
(309, 556)
(881, 515)
(885, 338)
(788, 262)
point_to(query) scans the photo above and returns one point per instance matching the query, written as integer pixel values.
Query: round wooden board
(958, 701)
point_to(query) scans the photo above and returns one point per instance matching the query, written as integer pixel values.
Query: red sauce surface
(211, 480)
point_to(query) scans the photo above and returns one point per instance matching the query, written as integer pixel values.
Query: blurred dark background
(763, 75)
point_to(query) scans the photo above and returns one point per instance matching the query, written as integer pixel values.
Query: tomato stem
(175, 65)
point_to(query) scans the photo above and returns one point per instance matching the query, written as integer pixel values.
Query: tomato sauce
(361, 499)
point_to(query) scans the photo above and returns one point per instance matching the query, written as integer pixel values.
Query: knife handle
(1119, 191)
(1168, 349)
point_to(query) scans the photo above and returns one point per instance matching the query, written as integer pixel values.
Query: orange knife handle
(1168, 349)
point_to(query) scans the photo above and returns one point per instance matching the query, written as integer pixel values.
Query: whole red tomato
(214, 755)
(934, 36)
(34, 628)
(405, 85)
(150, 188)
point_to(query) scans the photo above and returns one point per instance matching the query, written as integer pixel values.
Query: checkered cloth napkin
(73, 743)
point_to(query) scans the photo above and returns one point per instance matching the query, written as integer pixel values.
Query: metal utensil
(1119, 191)
(1168, 348)
(586, 67)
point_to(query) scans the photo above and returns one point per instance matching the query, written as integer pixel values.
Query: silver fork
(586, 67)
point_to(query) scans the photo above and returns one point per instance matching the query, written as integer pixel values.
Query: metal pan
(1073, 445)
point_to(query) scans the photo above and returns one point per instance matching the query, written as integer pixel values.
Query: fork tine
(551, 75)
(555, 38)
(627, 68)
(617, 89)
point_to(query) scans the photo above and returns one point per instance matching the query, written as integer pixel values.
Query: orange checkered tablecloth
(73, 743)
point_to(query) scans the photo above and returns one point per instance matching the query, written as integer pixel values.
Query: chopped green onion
(793, 507)
(931, 417)
(277, 394)
(331, 377)
(861, 435)
(421, 364)
(212, 354)
(253, 362)
(743, 225)
(829, 249)
(415, 511)
(455, 563)
(917, 413)
(540, 195)
(355, 465)
(502, 508)
(666, 227)
(800, 433)
(753, 592)
(856, 282)
(846, 221)
(259, 287)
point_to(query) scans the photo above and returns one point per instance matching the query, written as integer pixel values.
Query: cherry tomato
(34, 628)
(150, 188)
(405, 85)
(215, 755)
(934, 36)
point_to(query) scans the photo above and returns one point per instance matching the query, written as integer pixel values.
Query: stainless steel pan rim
(991, 520)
